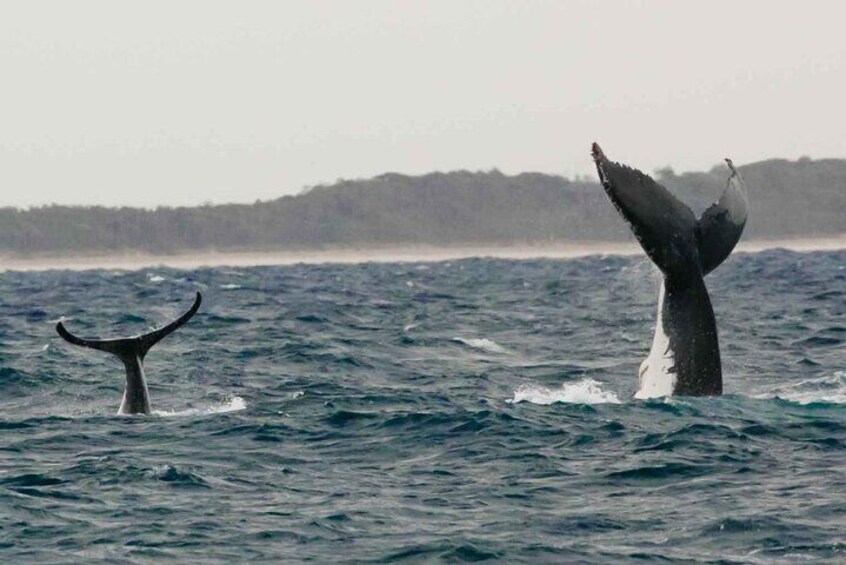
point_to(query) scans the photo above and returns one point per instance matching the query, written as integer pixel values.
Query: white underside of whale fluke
(656, 376)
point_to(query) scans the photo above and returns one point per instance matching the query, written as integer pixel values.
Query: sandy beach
(386, 254)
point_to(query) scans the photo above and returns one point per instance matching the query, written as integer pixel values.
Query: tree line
(787, 198)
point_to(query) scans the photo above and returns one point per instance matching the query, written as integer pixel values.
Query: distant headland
(461, 209)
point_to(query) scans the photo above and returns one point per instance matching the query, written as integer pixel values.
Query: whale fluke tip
(596, 151)
(66, 335)
(731, 166)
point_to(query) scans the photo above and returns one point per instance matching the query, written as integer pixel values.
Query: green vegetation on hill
(786, 199)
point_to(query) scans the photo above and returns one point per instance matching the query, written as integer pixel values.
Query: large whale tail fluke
(132, 351)
(666, 227)
(685, 357)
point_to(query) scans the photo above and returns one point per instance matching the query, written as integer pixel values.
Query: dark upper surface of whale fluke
(664, 226)
(140, 343)
(657, 216)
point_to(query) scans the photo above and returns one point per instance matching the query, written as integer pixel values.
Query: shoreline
(385, 254)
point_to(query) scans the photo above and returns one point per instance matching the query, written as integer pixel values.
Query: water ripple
(335, 413)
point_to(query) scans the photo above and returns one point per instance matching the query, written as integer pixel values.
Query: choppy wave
(824, 390)
(483, 343)
(323, 413)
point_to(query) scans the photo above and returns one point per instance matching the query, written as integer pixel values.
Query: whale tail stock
(685, 249)
(135, 347)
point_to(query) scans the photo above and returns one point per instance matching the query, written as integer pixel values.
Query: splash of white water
(484, 344)
(233, 404)
(585, 391)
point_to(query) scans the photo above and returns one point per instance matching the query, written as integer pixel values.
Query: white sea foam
(481, 343)
(830, 390)
(233, 404)
(585, 391)
(230, 286)
(154, 278)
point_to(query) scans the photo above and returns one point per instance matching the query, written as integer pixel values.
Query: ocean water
(442, 412)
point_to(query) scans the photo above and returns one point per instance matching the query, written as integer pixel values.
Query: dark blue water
(442, 412)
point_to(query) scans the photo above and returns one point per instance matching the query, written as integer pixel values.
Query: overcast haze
(180, 103)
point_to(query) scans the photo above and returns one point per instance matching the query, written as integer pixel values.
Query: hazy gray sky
(182, 102)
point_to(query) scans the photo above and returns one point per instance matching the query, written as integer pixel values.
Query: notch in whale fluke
(132, 350)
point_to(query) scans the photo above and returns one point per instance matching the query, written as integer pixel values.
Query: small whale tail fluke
(132, 346)
(132, 350)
